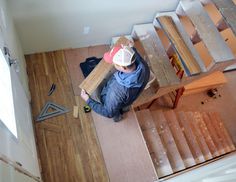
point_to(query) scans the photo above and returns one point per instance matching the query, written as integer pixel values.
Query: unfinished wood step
(191, 138)
(168, 141)
(193, 117)
(157, 152)
(220, 131)
(115, 39)
(207, 31)
(156, 55)
(213, 133)
(228, 10)
(224, 131)
(182, 43)
(145, 119)
(180, 139)
(206, 134)
(93, 80)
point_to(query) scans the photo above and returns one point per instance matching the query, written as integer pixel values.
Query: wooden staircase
(150, 44)
(180, 140)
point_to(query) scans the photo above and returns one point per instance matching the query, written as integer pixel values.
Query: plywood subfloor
(68, 147)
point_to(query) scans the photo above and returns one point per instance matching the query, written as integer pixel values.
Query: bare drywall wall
(57, 24)
(10, 39)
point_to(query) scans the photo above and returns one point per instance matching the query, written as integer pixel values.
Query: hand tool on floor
(52, 89)
(87, 109)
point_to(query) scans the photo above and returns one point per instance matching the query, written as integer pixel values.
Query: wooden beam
(207, 31)
(184, 51)
(156, 55)
(100, 72)
(228, 10)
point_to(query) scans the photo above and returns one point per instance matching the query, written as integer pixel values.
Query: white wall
(11, 40)
(23, 149)
(47, 25)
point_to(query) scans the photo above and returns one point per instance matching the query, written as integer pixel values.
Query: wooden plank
(213, 133)
(219, 131)
(99, 73)
(124, 149)
(183, 50)
(145, 119)
(184, 37)
(168, 141)
(180, 139)
(156, 55)
(193, 117)
(207, 31)
(228, 10)
(224, 131)
(202, 126)
(216, 78)
(191, 138)
(158, 152)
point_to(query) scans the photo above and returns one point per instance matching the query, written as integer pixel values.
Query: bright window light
(7, 113)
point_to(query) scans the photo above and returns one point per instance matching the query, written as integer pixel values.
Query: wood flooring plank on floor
(68, 148)
(123, 146)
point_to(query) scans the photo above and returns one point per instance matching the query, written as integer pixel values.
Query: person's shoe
(125, 109)
(117, 118)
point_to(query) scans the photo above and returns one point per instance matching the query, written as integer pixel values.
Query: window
(7, 113)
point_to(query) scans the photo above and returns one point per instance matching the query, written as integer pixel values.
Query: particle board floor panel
(124, 149)
(68, 147)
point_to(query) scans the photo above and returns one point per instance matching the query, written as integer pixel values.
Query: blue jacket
(121, 89)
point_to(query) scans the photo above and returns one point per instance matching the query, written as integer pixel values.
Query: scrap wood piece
(93, 80)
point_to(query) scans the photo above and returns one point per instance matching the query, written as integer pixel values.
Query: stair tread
(156, 54)
(191, 138)
(207, 31)
(145, 119)
(182, 43)
(157, 152)
(221, 131)
(180, 139)
(228, 11)
(193, 118)
(154, 144)
(206, 134)
(168, 141)
(213, 133)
